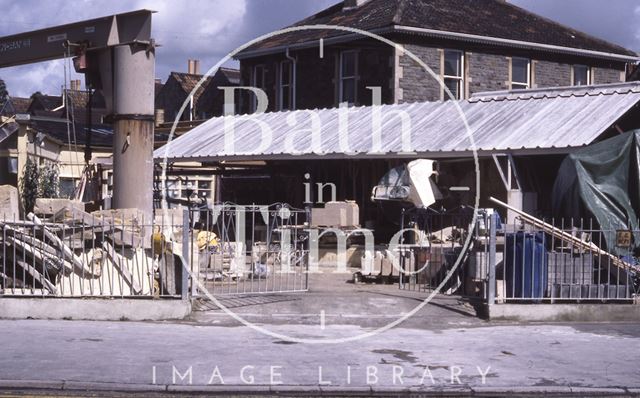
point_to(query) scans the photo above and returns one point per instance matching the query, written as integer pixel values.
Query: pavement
(307, 344)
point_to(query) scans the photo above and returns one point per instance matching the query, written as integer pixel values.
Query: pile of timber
(572, 240)
(38, 253)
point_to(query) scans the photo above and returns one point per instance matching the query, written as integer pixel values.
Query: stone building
(471, 46)
(204, 103)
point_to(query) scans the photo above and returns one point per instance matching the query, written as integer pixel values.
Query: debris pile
(72, 253)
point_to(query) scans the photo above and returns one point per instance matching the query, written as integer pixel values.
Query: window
(67, 187)
(186, 188)
(259, 81)
(454, 74)
(287, 86)
(348, 77)
(581, 75)
(520, 73)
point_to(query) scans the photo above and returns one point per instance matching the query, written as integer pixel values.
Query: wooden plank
(121, 265)
(560, 234)
(38, 276)
(67, 253)
(40, 255)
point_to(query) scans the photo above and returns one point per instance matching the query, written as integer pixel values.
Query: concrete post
(133, 99)
(23, 155)
(186, 256)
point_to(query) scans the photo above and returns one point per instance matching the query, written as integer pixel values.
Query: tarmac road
(75, 356)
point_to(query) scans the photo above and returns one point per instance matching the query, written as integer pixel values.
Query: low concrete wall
(563, 312)
(93, 309)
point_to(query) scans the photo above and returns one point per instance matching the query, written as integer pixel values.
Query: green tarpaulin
(602, 182)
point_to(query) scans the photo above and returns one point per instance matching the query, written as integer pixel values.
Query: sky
(209, 29)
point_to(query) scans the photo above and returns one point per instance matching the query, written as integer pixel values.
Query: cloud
(199, 29)
(637, 14)
(616, 21)
(210, 29)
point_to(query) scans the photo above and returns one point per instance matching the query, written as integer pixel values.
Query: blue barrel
(526, 265)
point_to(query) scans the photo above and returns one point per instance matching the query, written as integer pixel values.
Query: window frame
(573, 74)
(291, 86)
(461, 79)
(519, 85)
(343, 78)
(254, 83)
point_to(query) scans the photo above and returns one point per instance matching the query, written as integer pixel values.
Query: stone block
(48, 207)
(9, 202)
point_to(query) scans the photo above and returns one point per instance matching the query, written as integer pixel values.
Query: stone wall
(552, 74)
(606, 76)
(416, 84)
(487, 72)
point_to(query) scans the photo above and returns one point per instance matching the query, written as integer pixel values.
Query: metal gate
(436, 248)
(240, 249)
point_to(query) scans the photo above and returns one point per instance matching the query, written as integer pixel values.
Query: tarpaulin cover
(602, 182)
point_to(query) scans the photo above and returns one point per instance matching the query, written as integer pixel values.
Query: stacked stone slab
(9, 203)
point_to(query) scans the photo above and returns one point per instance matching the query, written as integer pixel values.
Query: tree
(49, 181)
(4, 96)
(29, 185)
(38, 182)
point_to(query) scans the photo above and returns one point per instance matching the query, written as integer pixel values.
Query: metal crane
(117, 56)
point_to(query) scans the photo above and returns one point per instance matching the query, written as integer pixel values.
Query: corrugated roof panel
(556, 118)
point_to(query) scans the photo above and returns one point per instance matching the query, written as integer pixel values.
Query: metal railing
(228, 250)
(108, 255)
(518, 262)
(251, 249)
(571, 264)
(435, 245)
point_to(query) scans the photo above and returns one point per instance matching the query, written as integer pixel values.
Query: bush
(38, 183)
(29, 185)
(49, 181)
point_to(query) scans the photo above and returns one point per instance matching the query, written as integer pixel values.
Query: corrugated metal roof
(7, 129)
(499, 122)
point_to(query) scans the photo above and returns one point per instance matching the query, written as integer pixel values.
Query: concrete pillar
(133, 106)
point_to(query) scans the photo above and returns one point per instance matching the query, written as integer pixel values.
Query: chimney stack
(75, 85)
(193, 67)
(159, 117)
(353, 3)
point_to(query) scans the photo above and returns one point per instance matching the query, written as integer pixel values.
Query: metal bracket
(512, 172)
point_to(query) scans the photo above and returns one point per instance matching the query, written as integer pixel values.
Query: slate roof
(20, 104)
(101, 135)
(189, 81)
(48, 102)
(80, 98)
(488, 18)
(7, 129)
(233, 75)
